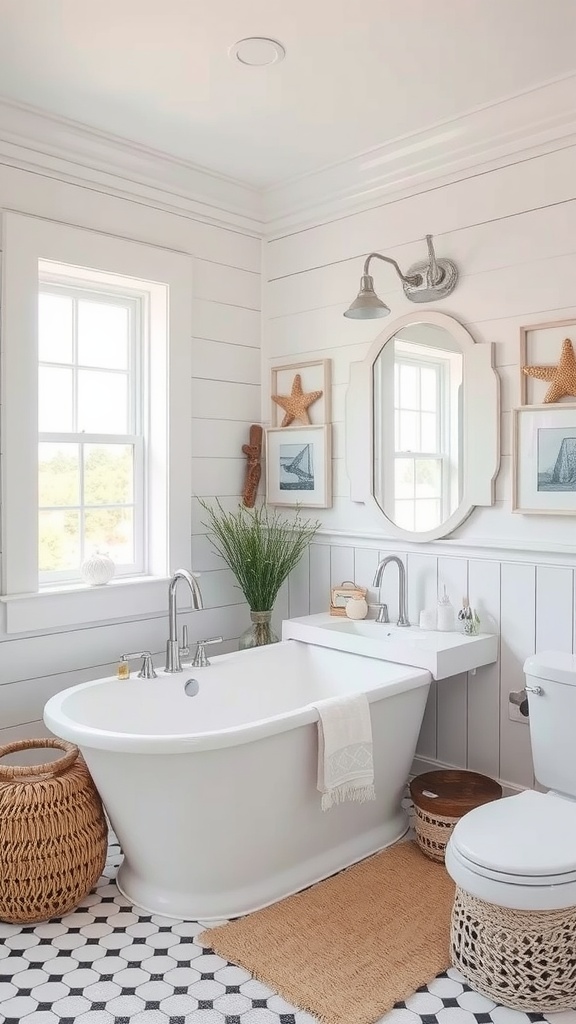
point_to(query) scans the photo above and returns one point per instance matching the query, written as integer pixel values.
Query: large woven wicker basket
(53, 834)
(525, 959)
(440, 799)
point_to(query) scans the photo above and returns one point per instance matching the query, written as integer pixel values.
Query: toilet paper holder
(520, 699)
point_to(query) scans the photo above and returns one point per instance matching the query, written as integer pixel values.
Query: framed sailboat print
(299, 466)
(544, 459)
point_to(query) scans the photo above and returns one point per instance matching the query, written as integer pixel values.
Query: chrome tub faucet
(382, 615)
(173, 650)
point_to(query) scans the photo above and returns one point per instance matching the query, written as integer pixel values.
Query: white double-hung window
(92, 425)
(96, 335)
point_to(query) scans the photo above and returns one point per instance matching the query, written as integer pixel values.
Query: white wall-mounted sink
(443, 654)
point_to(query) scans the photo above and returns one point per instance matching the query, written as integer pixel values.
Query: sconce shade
(367, 305)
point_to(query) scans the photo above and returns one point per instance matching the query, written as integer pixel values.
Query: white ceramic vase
(98, 569)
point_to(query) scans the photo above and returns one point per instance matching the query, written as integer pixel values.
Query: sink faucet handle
(147, 669)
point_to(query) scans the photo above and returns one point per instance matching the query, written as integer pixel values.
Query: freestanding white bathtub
(213, 797)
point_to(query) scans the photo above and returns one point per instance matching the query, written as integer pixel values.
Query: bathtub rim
(63, 725)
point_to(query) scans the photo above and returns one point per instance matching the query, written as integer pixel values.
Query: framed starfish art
(548, 363)
(300, 394)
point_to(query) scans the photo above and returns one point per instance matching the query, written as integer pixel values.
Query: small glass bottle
(446, 614)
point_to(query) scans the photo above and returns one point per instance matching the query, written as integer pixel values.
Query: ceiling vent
(257, 51)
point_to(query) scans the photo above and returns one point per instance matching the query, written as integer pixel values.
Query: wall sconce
(426, 281)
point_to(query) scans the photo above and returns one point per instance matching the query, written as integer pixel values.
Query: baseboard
(425, 764)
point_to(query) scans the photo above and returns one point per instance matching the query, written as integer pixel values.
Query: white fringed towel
(345, 761)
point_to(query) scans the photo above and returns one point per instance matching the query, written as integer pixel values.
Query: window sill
(78, 604)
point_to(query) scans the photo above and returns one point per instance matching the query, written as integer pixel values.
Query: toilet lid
(532, 834)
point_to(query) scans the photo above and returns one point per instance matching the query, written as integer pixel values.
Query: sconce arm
(414, 279)
(436, 274)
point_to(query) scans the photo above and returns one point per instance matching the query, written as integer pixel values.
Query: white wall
(224, 400)
(512, 233)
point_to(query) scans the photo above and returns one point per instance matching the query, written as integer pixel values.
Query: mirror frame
(481, 427)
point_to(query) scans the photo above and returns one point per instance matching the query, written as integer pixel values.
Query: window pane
(428, 475)
(404, 514)
(429, 432)
(58, 474)
(110, 530)
(404, 478)
(59, 541)
(54, 328)
(102, 335)
(409, 387)
(108, 474)
(427, 514)
(102, 402)
(55, 407)
(409, 432)
(429, 392)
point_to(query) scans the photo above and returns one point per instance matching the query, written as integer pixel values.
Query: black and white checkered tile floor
(108, 963)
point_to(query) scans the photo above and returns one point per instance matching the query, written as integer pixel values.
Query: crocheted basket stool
(53, 834)
(525, 959)
(440, 799)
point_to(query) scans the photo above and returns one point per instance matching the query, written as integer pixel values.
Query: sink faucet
(173, 650)
(382, 616)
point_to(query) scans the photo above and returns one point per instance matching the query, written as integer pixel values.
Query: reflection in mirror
(417, 416)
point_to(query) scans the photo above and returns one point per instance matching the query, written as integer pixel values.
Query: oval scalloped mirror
(422, 426)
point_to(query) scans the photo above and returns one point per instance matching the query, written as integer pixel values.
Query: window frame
(167, 276)
(133, 300)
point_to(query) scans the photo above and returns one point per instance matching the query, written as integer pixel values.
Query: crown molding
(34, 140)
(522, 126)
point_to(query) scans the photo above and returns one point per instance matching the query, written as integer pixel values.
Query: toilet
(513, 933)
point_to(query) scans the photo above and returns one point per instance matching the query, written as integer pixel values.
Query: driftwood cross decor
(253, 453)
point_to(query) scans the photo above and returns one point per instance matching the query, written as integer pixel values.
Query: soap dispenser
(446, 614)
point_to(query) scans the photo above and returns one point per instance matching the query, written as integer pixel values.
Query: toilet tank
(553, 719)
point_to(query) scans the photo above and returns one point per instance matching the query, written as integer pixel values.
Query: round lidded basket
(440, 799)
(53, 834)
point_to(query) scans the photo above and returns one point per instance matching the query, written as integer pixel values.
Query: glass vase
(259, 633)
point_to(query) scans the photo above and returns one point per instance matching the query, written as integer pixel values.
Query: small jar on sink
(356, 608)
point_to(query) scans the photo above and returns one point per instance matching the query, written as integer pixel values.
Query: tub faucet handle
(200, 659)
(147, 669)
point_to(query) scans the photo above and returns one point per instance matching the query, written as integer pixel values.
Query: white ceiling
(356, 75)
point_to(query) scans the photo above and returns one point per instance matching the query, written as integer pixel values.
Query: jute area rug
(350, 947)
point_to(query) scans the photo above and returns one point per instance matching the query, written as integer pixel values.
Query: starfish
(296, 404)
(562, 377)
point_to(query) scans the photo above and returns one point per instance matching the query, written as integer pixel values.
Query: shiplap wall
(512, 232)
(224, 400)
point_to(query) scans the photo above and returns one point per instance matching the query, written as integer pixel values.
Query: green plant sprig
(261, 547)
